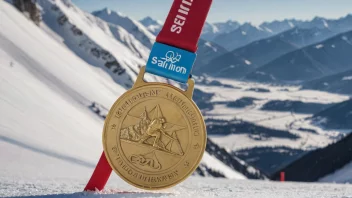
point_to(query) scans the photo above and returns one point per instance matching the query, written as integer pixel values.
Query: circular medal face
(154, 136)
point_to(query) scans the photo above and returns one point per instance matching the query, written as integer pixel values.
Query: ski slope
(194, 187)
(46, 90)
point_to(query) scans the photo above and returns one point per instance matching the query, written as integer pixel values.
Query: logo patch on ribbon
(170, 62)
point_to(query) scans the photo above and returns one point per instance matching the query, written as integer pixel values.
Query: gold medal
(154, 135)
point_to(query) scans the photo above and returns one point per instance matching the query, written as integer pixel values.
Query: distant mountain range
(232, 34)
(260, 53)
(236, 35)
(241, 61)
(321, 59)
(211, 30)
(241, 36)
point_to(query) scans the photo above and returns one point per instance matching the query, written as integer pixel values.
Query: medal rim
(110, 114)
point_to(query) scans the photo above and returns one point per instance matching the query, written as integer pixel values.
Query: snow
(347, 78)
(268, 30)
(276, 93)
(194, 187)
(244, 33)
(45, 93)
(134, 27)
(247, 62)
(96, 30)
(53, 63)
(212, 47)
(288, 121)
(291, 24)
(319, 46)
(343, 175)
(215, 164)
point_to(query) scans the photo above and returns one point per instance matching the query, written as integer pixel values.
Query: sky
(254, 11)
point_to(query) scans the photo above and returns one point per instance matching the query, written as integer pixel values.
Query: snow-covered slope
(91, 39)
(130, 41)
(154, 26)
(196, 187)
(343, 175)
(140, 32)
(214, 164)
(45, 93)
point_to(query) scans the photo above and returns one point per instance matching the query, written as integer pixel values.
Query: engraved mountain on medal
(153, 130)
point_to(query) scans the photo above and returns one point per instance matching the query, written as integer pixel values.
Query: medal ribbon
(172, 56)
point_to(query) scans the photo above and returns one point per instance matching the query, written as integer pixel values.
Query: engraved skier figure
(155, 129)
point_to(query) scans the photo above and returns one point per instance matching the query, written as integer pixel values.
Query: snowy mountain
(227, 26)
(241, 36)
(239, 62)
(212, 30)
(321, 59)
(235, 35)
(243, 170)
(342, 24)
(46, 125)
(91, 39)
(206, 52)
(130, 41)
(329, 164)
(154, 26)
(337, 83)
(280, 26)
(139, 31)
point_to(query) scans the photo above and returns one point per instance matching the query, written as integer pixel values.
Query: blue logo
(170, 62)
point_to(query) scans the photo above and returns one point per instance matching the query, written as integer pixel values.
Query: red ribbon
(182, 29)
(184, 24)
(100, 175)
